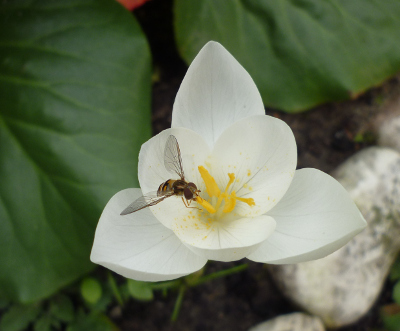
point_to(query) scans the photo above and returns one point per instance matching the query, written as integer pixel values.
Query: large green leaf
(299, 52)
(74, 110)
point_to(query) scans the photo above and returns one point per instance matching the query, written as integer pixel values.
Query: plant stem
(114, 289)
(218, 274)
(166, 285)
(178, 303)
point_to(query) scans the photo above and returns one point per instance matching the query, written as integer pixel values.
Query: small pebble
(342, 287)
(389, 133)
(291, 322)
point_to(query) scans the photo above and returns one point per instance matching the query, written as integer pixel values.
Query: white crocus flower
(253, 203)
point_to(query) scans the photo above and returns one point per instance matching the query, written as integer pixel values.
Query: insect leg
(187, 204)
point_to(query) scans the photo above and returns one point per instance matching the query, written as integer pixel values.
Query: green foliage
(391, 317)
(391, 313)
(3, 303)
(141, 291)
(114, 288)
(395, 270)
(365, 137)
(44, 323)
(103, 303)
(18, 317)
(97, 295)
(299, 53)
(75, 109)
(93, 298)
(59, 313)
(93, 321)
(396, 292)
(193, 278)
(62, 308)
(91, 290)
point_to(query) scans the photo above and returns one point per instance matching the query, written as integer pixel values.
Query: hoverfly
(171, 187)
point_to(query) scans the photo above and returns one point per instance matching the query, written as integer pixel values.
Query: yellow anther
(206, 205)
(249, 201)
(231, 179)
(211, 186)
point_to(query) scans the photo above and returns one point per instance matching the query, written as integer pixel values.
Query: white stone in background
(389, 133)
(343, 286)
(291, 322)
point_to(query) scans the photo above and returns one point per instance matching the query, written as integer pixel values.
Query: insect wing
(144, 201)
(172, 157)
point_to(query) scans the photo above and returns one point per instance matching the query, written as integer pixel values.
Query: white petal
(137, 246)
(227, 240)
(215, 93)
(152, 172)
(261, 152)
(315, 218)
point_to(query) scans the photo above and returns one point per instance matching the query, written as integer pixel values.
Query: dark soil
(326, 136)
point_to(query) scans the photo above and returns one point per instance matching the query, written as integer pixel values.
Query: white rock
(291, 322)
(342, 287)
(389, 133)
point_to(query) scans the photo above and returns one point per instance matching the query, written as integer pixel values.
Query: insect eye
(192, 185)
(188, 193)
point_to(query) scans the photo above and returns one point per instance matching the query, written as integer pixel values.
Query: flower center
(220, 202)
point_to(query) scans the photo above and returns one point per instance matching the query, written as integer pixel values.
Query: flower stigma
(221, 202)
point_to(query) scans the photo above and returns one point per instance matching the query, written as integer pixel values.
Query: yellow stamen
(231, 179)
(230, 204)
(225, 195)
(249, 201)
(214, 191)
(206, 205)
(211, 186)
